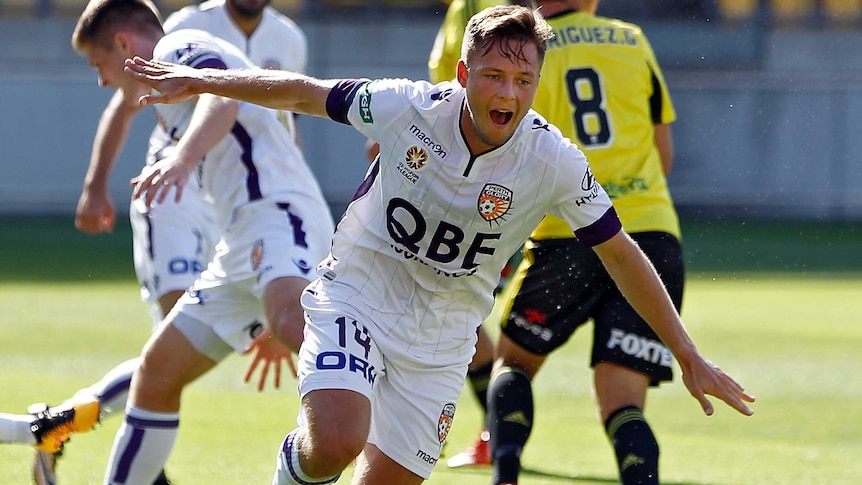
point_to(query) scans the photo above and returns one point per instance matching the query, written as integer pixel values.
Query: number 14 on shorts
(353, 339)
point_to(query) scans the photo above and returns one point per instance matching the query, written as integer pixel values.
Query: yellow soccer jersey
(601, 85)
(443, 60)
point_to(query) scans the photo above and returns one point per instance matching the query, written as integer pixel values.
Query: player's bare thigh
(283, 309)
(511, 354)
(169, 362)
(338, 422)
(373, 466)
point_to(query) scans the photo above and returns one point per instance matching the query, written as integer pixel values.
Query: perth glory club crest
(494, 202)
(257, 254)
(444, 424)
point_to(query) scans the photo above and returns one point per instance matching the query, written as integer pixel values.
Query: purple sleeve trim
(211, 62)
(341, 97)
(600, 231)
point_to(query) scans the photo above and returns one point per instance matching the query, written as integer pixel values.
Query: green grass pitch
(776, 306)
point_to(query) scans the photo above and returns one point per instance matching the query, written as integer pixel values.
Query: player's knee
(340, 445)
(287, 325)
(158, 381)
(284, 311)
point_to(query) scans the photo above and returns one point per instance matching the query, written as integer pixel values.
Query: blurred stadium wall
(769, 114)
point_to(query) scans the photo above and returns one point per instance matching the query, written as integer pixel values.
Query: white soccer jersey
(277, 43)
(256, 151)
(419, 250)
(166, 256)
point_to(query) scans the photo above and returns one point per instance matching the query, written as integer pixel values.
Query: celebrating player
(465, 173)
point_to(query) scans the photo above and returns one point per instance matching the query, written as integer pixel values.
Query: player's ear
(123, 43)
(461, 73)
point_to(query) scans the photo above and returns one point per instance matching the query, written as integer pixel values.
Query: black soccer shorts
(561, 284)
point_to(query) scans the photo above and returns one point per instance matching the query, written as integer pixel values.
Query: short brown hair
(490, 27)
(101, 19)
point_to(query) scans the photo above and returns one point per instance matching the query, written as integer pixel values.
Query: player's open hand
(174, 82)
(156, 181)
(269, 352)
(702, 377)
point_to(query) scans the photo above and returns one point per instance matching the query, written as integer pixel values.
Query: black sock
(510, 420)
(635, 445)
(479, 380)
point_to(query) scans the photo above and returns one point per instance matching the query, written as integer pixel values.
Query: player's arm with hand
(276, 89)
(95, 212)
(212, 120)
(640, 284)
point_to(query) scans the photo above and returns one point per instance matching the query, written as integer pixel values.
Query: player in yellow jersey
(601, 85)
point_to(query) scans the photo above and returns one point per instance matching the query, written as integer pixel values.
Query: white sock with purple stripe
(113, 389)
(288, 471)
(142, 446)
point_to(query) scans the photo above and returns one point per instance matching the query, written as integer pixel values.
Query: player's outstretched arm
(95, 212)
(275, 89)
(640, 284)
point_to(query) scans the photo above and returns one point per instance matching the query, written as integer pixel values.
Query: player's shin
(288, 469)
(141, 447)
(510, 421)
(635, 446)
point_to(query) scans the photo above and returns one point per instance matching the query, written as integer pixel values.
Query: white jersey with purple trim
(256, 151)
(276, 43)
(420, 249)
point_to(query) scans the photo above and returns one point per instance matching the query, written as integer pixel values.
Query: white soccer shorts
(412, 403)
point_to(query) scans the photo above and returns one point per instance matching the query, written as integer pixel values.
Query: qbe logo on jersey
(494, 202)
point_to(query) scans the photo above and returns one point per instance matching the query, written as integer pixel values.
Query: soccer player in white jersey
(271, 40)
(466, 171)
(174, 240)
(269, 211)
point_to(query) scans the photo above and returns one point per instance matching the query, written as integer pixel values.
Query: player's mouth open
(501, 117)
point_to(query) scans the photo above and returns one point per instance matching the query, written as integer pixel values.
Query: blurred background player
(273, 222)
(173, 240)
(609, 96)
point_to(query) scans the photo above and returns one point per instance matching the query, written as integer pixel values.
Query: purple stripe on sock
(125, 464)
(152, 423)
(286, 448)
(113, 391)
